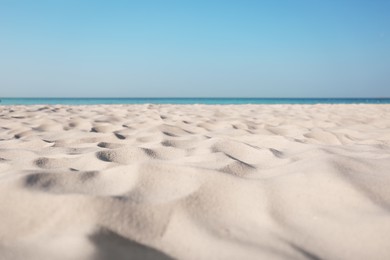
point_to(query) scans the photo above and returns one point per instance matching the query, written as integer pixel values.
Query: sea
(208, 101)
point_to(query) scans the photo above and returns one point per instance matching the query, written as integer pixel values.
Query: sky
(199, 48)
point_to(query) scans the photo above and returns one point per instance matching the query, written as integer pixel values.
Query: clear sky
(183, 48)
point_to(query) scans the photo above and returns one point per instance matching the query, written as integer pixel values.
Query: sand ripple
(195, 182)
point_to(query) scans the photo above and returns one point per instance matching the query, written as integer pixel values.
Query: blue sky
(166, 48)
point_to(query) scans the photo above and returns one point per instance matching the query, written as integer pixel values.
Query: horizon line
(195, 97)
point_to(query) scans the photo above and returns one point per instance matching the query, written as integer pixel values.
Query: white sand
(195, 182)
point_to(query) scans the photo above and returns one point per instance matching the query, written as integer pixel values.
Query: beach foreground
(195, 182)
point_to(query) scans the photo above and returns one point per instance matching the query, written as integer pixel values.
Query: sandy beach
(195, 182)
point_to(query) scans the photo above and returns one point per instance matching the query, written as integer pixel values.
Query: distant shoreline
(210, 101)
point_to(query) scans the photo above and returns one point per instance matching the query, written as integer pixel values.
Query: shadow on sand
(110, 245)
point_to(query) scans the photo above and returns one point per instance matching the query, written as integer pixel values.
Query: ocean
(210, 101)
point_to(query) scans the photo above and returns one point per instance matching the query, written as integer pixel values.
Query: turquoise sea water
(93, 101)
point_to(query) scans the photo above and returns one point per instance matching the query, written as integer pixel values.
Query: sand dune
(195, 182)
